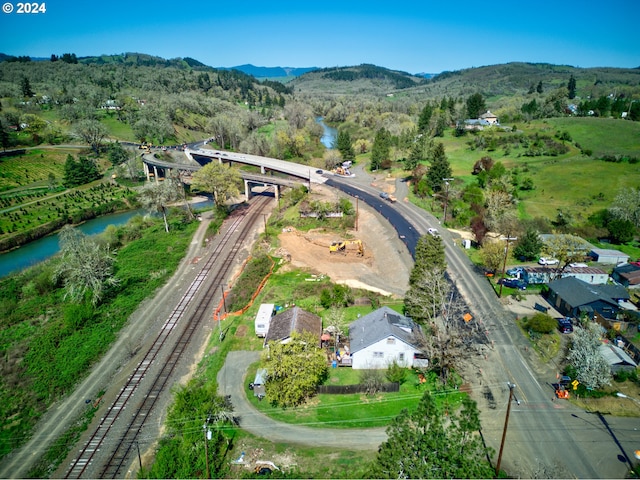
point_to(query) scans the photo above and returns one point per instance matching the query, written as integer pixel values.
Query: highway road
(546, 438)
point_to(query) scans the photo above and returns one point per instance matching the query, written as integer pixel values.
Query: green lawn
(355, 410)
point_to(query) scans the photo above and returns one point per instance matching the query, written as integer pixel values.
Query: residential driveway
(232, 380)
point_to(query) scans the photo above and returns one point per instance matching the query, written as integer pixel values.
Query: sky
(411, 36)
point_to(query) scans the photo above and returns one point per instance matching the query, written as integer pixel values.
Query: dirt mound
(382, 268)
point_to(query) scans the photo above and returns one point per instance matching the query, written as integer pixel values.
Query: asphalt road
(546, 438)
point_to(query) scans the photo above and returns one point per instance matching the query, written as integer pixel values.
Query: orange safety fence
(216, 312)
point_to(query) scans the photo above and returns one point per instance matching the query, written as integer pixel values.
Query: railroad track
(217, 265)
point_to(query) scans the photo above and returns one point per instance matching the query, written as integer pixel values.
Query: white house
(263, 318)
(382, 336)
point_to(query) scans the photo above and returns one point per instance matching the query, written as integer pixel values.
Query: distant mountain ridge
(270, 72)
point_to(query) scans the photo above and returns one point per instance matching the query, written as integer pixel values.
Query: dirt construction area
(382, 265)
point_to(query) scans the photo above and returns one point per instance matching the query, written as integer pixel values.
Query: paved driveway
(232, 380)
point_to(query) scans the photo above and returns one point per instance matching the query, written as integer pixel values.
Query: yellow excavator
(341, 247)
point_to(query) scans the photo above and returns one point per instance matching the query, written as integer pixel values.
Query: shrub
(541, 323)
(396, 373)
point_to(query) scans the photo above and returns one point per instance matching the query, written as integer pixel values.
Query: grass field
(357, 410)
(573, 182)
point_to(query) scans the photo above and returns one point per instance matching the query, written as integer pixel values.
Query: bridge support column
(277, 189)
(146, 170)
(155, 172)
(262, 170)
(247, 190)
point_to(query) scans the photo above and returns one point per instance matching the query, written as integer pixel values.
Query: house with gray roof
(572, 298)
(382, 336)
(295, 319)
(627, 275)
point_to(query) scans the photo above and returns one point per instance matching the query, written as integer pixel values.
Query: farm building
(295, 319)
(382, 336)
(603, 255)
(263, 318)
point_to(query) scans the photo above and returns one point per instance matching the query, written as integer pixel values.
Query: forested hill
(271, 72)
(363, 78)
(522, 78)
(138, 97)
(516, 78)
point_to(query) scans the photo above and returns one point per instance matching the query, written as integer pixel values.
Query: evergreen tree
(380, 149)
(429, 257)
(428, 286)
(344, 145)
(539, 87)
(432, 442)
(79, 172)
(425, 118)
(25, 85)
(475, 105)
(571, 87)
(439, 169)
(4, 137)
(529, 245)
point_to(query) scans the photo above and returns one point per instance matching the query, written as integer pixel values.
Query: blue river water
(330, 134)
(46, 247)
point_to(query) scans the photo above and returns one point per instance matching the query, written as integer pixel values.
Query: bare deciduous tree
(86, 267)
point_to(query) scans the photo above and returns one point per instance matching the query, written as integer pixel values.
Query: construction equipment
(561, 391)
(341, 247)
(342, 171)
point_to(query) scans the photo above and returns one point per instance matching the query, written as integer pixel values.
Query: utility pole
(504, 264)
(506, 424)
(446, 198)
(207, 437)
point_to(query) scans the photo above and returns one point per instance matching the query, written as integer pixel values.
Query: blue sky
(423, 36)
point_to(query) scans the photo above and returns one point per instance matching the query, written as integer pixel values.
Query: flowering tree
(592, 369)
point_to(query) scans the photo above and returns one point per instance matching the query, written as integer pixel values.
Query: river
(330, 134)
(46, 247)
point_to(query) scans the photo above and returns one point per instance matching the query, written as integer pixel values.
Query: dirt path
(231, 381)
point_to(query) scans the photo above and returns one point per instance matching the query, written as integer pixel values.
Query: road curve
(231, 381)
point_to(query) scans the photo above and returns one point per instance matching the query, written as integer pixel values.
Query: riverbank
(34, 215)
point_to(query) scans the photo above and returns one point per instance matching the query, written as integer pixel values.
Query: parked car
(515, 271)
(564, 325)
(548, 261)
(513, 283)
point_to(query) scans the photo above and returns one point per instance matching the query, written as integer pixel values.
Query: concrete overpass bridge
(289, 174)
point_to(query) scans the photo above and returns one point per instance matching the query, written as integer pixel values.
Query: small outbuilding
(604, 255)
(627, 275)
(295, 319)
(617, 358)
